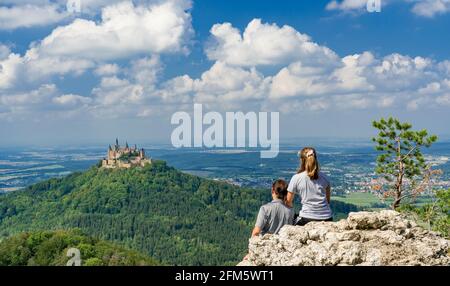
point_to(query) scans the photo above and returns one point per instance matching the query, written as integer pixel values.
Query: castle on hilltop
(125, 157)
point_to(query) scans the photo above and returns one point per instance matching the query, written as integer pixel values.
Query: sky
(104, 69)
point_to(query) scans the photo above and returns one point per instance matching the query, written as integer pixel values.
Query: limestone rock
(364, 238)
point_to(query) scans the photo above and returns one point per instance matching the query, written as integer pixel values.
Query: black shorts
(301, 221)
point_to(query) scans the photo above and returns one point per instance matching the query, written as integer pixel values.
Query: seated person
(274, 215)
(313, 188)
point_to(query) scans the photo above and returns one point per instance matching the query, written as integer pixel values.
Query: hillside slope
(174, 217)
(45, 248)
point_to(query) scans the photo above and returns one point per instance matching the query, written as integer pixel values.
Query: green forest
(176, 218)
(47, 248)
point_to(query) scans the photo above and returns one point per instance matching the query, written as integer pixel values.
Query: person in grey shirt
(313, 188)
(274, 215)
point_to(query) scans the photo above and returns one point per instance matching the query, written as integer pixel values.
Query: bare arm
(256, 231)
(290, 199)
(328, 194)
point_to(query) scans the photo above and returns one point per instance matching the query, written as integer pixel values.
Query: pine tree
(401, 162)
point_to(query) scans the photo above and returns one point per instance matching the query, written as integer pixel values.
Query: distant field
(368, 200)
(363, 200)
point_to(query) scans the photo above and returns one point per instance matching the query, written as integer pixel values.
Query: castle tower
(117, 144)
(142, 153)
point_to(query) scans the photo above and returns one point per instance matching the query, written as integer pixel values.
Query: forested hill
(50, 248)
(174, 217)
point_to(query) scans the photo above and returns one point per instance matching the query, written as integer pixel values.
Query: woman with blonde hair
(313, 188)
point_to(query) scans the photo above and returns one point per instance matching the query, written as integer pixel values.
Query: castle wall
(114, 154)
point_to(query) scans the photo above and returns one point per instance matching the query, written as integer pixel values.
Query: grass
(371, 202)
(363, 200)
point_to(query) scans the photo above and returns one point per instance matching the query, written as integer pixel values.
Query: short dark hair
(280, 188)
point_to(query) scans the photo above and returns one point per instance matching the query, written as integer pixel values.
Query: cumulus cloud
(312, 83)
(25, 99)
(125, 31)
(431, 8)
(222, 86)
(296, 80)
(4, 51)
(71, 100)
(444, 100)
(422, 8)
(26, 16)
(117, 96)
(36, 13)
(107, 69)
(265, 44)
(346, 5)
(304, 76)
(9, 69)
(137, 33)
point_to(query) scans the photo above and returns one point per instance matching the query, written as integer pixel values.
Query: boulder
(364, 238)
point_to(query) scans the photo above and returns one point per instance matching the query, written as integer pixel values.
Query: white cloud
(265, 44)
(423, 8)
(346, 5)
(430, 88)
(125, 30)
(130, 95)
(115, 91)
(359, 81)
(386, 101)
(31, 101)
(431, 8)
(25, 16)
(71, 100)
(222, 86)
(9, 69)
(4, 51)
(107, 69)
(444, 100)
(296, 80)
(301, 76)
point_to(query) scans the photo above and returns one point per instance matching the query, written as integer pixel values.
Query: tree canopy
(177, 218)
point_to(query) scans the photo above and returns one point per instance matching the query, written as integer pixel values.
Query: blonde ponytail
(309, 163)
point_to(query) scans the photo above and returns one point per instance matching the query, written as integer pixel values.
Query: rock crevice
(364, 238)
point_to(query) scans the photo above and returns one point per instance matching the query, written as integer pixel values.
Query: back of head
(279, 187)
(309, 163)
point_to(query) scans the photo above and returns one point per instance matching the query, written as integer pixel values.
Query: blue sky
(122, 68)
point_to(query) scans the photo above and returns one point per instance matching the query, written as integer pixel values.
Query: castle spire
(117, 141)
(126, 144)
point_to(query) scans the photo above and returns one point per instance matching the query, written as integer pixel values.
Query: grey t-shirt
(273, 216)
(312, 194)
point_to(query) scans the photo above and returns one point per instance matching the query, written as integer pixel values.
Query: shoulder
(299, 177)
(296, 181)
(265, 207)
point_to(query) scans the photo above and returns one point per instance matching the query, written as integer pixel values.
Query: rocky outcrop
(364, 238)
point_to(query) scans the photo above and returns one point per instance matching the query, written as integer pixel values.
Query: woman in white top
(313, 188)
